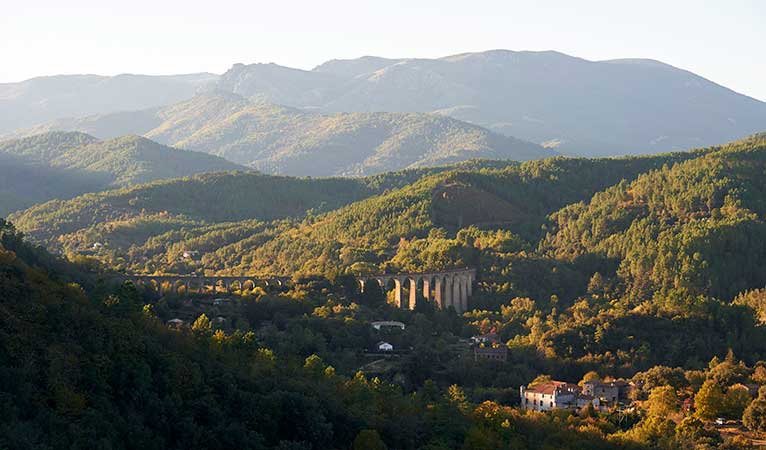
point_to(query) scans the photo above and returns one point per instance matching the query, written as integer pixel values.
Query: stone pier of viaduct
(446, 288)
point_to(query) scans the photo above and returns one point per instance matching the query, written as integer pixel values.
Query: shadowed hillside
(69, 164)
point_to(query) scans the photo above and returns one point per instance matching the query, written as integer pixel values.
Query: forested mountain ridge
(282, 140)
(217, 197)
(44, 147)
(162, 220)
(133, 160)
(75, 163)
(696, 225)
(367, 235)
(584, 107)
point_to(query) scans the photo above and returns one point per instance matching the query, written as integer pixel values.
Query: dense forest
(643, 270)
(90, 366)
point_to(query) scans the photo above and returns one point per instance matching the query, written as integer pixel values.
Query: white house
(175, 322)
(188, 254)
(384, 347)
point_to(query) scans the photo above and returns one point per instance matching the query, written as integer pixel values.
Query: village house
(489, 338)
(189, 254)
(555, 395)
(384, 347)
(495, 353)
(608, 392)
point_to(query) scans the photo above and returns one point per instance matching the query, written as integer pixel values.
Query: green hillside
(124, 160)
(516, 198)
(644, 269)
(277, 139)
(67, 164)
(696, 226)
(147, 227)
(215, 197)
(45, 147)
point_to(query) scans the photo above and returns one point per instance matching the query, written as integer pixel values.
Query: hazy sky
(724, 41)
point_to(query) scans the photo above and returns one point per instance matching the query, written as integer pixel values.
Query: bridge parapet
(198, 282)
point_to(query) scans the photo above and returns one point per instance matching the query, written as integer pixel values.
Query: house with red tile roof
(555, 395)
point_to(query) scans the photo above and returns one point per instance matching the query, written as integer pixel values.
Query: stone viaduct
(444, 288)
(198, 283)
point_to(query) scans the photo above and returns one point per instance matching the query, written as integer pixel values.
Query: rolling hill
(282, 140)
(66, 164)
(625, 106)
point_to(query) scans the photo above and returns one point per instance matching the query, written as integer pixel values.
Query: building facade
(494, 353)
(608, 392)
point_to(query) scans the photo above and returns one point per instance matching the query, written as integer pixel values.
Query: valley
(488, 250)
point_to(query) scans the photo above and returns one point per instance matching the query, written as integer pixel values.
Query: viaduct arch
(443, 288)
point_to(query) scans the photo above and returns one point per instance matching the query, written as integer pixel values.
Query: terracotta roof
(549, 387)
(617, 384)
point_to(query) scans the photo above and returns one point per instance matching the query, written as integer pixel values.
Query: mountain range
(569, 104)
(279, 139)
(625, 106)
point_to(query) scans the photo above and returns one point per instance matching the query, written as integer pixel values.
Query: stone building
(495, 353)
(555, 395)
(608, 392)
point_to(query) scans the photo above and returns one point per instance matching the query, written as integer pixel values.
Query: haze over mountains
(576, 106)
(586, 107)
(42, 99)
